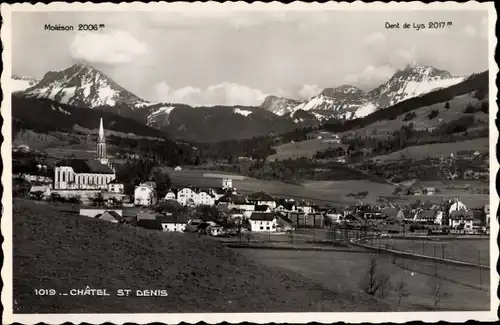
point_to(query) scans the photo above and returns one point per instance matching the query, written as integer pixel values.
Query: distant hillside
(44, 115)
(218, 123)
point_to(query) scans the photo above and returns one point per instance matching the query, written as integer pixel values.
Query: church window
(64, 177)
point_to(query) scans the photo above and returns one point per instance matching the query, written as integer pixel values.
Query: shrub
(433, 114)
(469, 109)
(409, 116)
(447, 105)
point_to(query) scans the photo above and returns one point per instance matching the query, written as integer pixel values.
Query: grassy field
(456, 110)
(466, 250)
(60, 250)
(343, 188)
(436, 149)
(302, 149)
(320, 195)
(344, 271)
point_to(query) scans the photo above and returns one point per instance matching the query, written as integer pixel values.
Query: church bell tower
(101, 145)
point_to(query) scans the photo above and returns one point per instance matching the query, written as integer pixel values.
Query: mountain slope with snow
(82, 86)
(412, 81)
(348, 102)
(279, 105)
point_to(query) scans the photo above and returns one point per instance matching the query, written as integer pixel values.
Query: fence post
(442, 251)
(480, 271)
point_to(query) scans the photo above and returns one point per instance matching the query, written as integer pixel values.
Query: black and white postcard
(255, 162)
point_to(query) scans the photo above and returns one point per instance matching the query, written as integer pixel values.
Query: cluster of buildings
(259, 211)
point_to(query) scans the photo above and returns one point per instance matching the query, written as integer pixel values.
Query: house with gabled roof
(110, 216)
(284, 205)
(145, 194)
(393, 214)
(461, 220)
(173, 221)
(171, 194)
(261, 222)
(262, 198)
(195, 196)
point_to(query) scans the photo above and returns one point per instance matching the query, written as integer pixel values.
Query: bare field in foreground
(342, 270)
(465, 250)
(64, 251)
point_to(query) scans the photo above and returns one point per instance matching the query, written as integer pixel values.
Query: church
(77, 174)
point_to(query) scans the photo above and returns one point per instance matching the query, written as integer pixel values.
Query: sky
(229, 58)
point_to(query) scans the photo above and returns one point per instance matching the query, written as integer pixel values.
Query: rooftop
(87, 166)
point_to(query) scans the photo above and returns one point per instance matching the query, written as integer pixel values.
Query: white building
(145, 195)
(260, 222)
(41, 191)
(172, 223)
(461, 220)
(178, 168)
(115, 187)
(170, 195)
(86, 174)
(192, 196)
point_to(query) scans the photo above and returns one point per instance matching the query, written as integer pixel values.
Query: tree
(401, 289)
(433, 114)
(98, 200)
(447, 105)
(163, 182)
(375, 282)
(469, 109)
(197, 160)
(437, 288)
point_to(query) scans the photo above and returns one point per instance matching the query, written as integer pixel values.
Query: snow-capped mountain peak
(412, 81)
(81, 85)
(279, 105)
(347, 102)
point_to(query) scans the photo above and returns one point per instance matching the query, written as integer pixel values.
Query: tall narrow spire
(101, 131)
(101, 144)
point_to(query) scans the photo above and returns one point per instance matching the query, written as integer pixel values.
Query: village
(223, 211)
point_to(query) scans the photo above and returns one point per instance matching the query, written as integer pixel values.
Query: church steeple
(101, 145)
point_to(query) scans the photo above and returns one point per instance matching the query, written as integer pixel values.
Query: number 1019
(45, 292)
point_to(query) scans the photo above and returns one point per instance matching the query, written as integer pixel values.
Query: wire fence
(440, 259)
